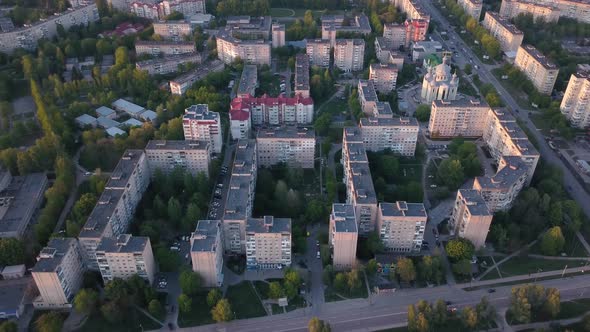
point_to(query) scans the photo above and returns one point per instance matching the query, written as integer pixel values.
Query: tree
(440, 313)
(275, 290)
(293, 277)
(121, 56)
(86, 301)
(12, 252)
(520, 308)
(412, 318)
(371, 267)
(469, 318)
(317, 325)
(486, 313)
(185, 303)
(117, 291)
(422, 112)
(155, 308)
(190, 282)
(405, 269)
(340, 282)
(174, 210)
(422, 323)
(213, 297)
(467, 69)
(8, 326)
(552, 302)
(552, 241)
(112, 312)
(450, 173)
(586, 323)
(462, 267)
(222, 311)
(49, 322)
(374, 243)
(458, 249)
(353, 280)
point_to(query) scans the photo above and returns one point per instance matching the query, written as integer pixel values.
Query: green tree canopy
(552, 241)
(50, 322)
(422, 112)
(460, 248)
(405, 269)
(185, 303)
(190, 282)
(222, 311)
(86, 301)
(213, 297)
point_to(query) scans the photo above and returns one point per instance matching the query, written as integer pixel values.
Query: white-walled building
(343, 236)
(575, 105)
(456, 118)
(268, 243)
(349, 54)
(207, 252)
(294, 146)
(439, 83)
(125, 256)
(401, 226)
(200, 124)
(384, 76)
(400, 135)
(471, 217)
(166, 155)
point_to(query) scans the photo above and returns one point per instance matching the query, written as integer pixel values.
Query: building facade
(439, 83)
(537, 67)
(395, 34)
(319, 51)
(456, 118)
(201, 125)
(333, 24)
(384, 76)
(173, 30)
(191, 156)
(513, 8)
(251, 51)
(207, 252)
(349, 54)
(574, 9)
(278, 35)
(507, 34)
(575, 105)
(471, 217)
(367, 95)
(166, 48)
(125, 256)
(167, 65)
(268, 243)
(401, 226)
(302, 75)
(294, 146)
(500, 191)
(472, 7)
(343, 236)
(399, 135)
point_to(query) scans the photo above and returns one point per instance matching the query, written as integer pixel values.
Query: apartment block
(125, 256)
(537, 67)
(401, 226)
(188, 8)
(268, 243)
(240, 197)
(398, 134)
(382, 110)
(58, 273)
(343, 236)
(333, 24)
(302, 75)
(167, 65)
(115, 208)
(182, 83)
(439, 83)
(384, 76)
(248, 81)
(318, 51)
(207, 252)
(456, 118)
(395, 34)
(251, 51)
(199, 124)
(294, 146)
(249, 27)
(412, 8)
(367, 95)
(388, 54)
(191, 156)
(500, 191)
(512, 8)
(575, 105)
(151, 11)
(27, 37)
(173, 30)
(278, 35)
(471, 217)
(574, 9)
(507, 34)
(416, 30)
(157, 48)
(472, 7)
(349, 54)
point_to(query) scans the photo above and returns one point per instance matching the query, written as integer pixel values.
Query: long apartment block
(294, 146)
(251, 51)
(537, 67)
(268, 242)
(192, 156)
(412, 9)
(302, 75)
(384, 76)
(401, 226)
(471, 218)
(472, 7)
(168, 64)
(513, 8)
(207, 252)
(349, 54)
(157, 48)
(343, 236)
(318, 51)
(399, 134)
(333, 24)
(182, 83)
(199, 124)
(575, 104)
(575, 9)
(367, 95)
(173, 30)
(125, 256)
(508, 35)
(454, 118)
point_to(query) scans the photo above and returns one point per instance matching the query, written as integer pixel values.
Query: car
(433, 186)
(87, 173)
(425, 243)
(317, 243)
(220, 185)
(448, 302)
(491, 290)
(318, 255)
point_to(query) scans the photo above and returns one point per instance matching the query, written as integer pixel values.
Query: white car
(318, 255)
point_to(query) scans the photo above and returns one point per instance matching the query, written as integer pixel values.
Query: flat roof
(124, 243)
(183, 145)
(467, 103)
(205, 235)
(403, 209)
(344, 218)
(51, 256)
(383, 108)
(200, 112)
(357, 152)
(505, 23)
(245, 157)
(127, 106)
(353, 134)
(368, 90)
(238, 196)
(354, 41)
(286, 132)
(22, 194)
(114, 131)
(107, 123)
(383, 66)
(154, 43)
(363, 183)
(514, 169)
(169, 58)
(474, 202)
(86, 119)
(12, 293)
(104, 111)
(538, 56)
(318, 41)
(268, 224)
(301, 72)
(390, 122)
(132, 123)
(248, 80)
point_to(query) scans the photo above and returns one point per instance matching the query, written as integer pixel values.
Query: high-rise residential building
(173, 30)
(168, 64)
(268, 243)
(349, 54)
(574, 9)
(182, 83)
(384, 76)
(537, 67)
(58, 273)
(401, 226)
(513, 8)
(575, 105)
(471, 217)
(367, 95)
(199, 124)
(301, 75)
(500, 190)
(207, 252)
(115, 208)
(395, 34)
(382, 109)
(125, 256)
(413, 9)
(240, 197)
(248, 81)
(145, 10)
(278, 35)
(398, 134)
(472, 7)
(157, 48)
(333, 24)
(191, 156)
(343, 238)
(507, 34)
(188, 8)
(416, 30)
(250, 27)
(251, 51)
(388, 54)
(439, 83)
(318, 51)
(456, 118)
(294, 146)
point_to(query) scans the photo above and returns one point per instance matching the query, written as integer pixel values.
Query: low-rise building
(384, 76)
(86, 120)
(472, 7)
(575, 105)
(125, 256)
(248, 81)
(157, 48)
(512, 8)
(401, 226)
(465, 118)
(145, 10)
(422, 49)
(301, 75)
(180, 84)
(173, 30)
(106, 112)
(207, 252)
(130, 108)
(268, 243)
(251, 51)
(505, 32)
(343, 236)
(318, 51)
(278, 35)
(349, 54)
(367, 95)
(471, 217)
(192, 156)
(294, 146)
(537, 67)
(398, 134)
(199, 124)
(107, 123)
(167, 64)
(58, 273)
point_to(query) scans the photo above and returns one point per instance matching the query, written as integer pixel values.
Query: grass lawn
(540, 122)
(491, 275)
(526, 265)
(262, 288)
(336, 106)
(519, 96)
(199, 315)
(569, 309)
(332, 296)
(572, 248)
(453, 325)
(134, 321)
(282, 12)
(244, 301)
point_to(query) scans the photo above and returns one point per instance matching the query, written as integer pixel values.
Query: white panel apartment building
(343, 234)
(401, 226)
(367, 95)
(294, 146)
(125, 256)
(574, 9)
(278, 35)
(173, 30)
(201, 125)
(349, 54)
(254, 51)
(168, 64)
(207, 252)
(116, 206)
(537, 67)
(318, 51)
(513, 8)
(157, 48)
(472, 7)
(575, 104)
(394, 34)
(384, 76)
(192, 156)
(58, 273)
(471, 217)
(400, 135)
(507, 33)
(268, 242)
(457, 118)
(500, 191)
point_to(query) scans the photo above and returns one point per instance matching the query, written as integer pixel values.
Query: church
(439, 84)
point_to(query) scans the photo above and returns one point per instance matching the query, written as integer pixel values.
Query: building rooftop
(249, 24)
(364, 191)
(16, 201)
(367, 88)
(391, 122)
(104, 111)
(268, 224)
(514, 169)
(248, 80)
(344, 218)
(583, 71)
(132, 123)
(51, 256)
(474, 203)
(229, 37)
(539, 57)
(353, 41)
(317, 41)
(288, 132)
(360, 23)
(460, 103)
(162, 43)
(86, 119)
(200, 112)
(383, 66)
(403, 209)
(382, 109)
(353, 134)
(245, 157)
(127, 107)
(192, 75)
(176, 145)
(114, 131)
(124, 243)
(238, 196)
(301, 72)
(205, 236)
(505, 23)
(427, 46)
(107, 123)
(357, 152)
(169, 58)
(12, 293)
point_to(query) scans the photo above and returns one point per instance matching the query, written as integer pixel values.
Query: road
(573, 187)
(315, 297)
